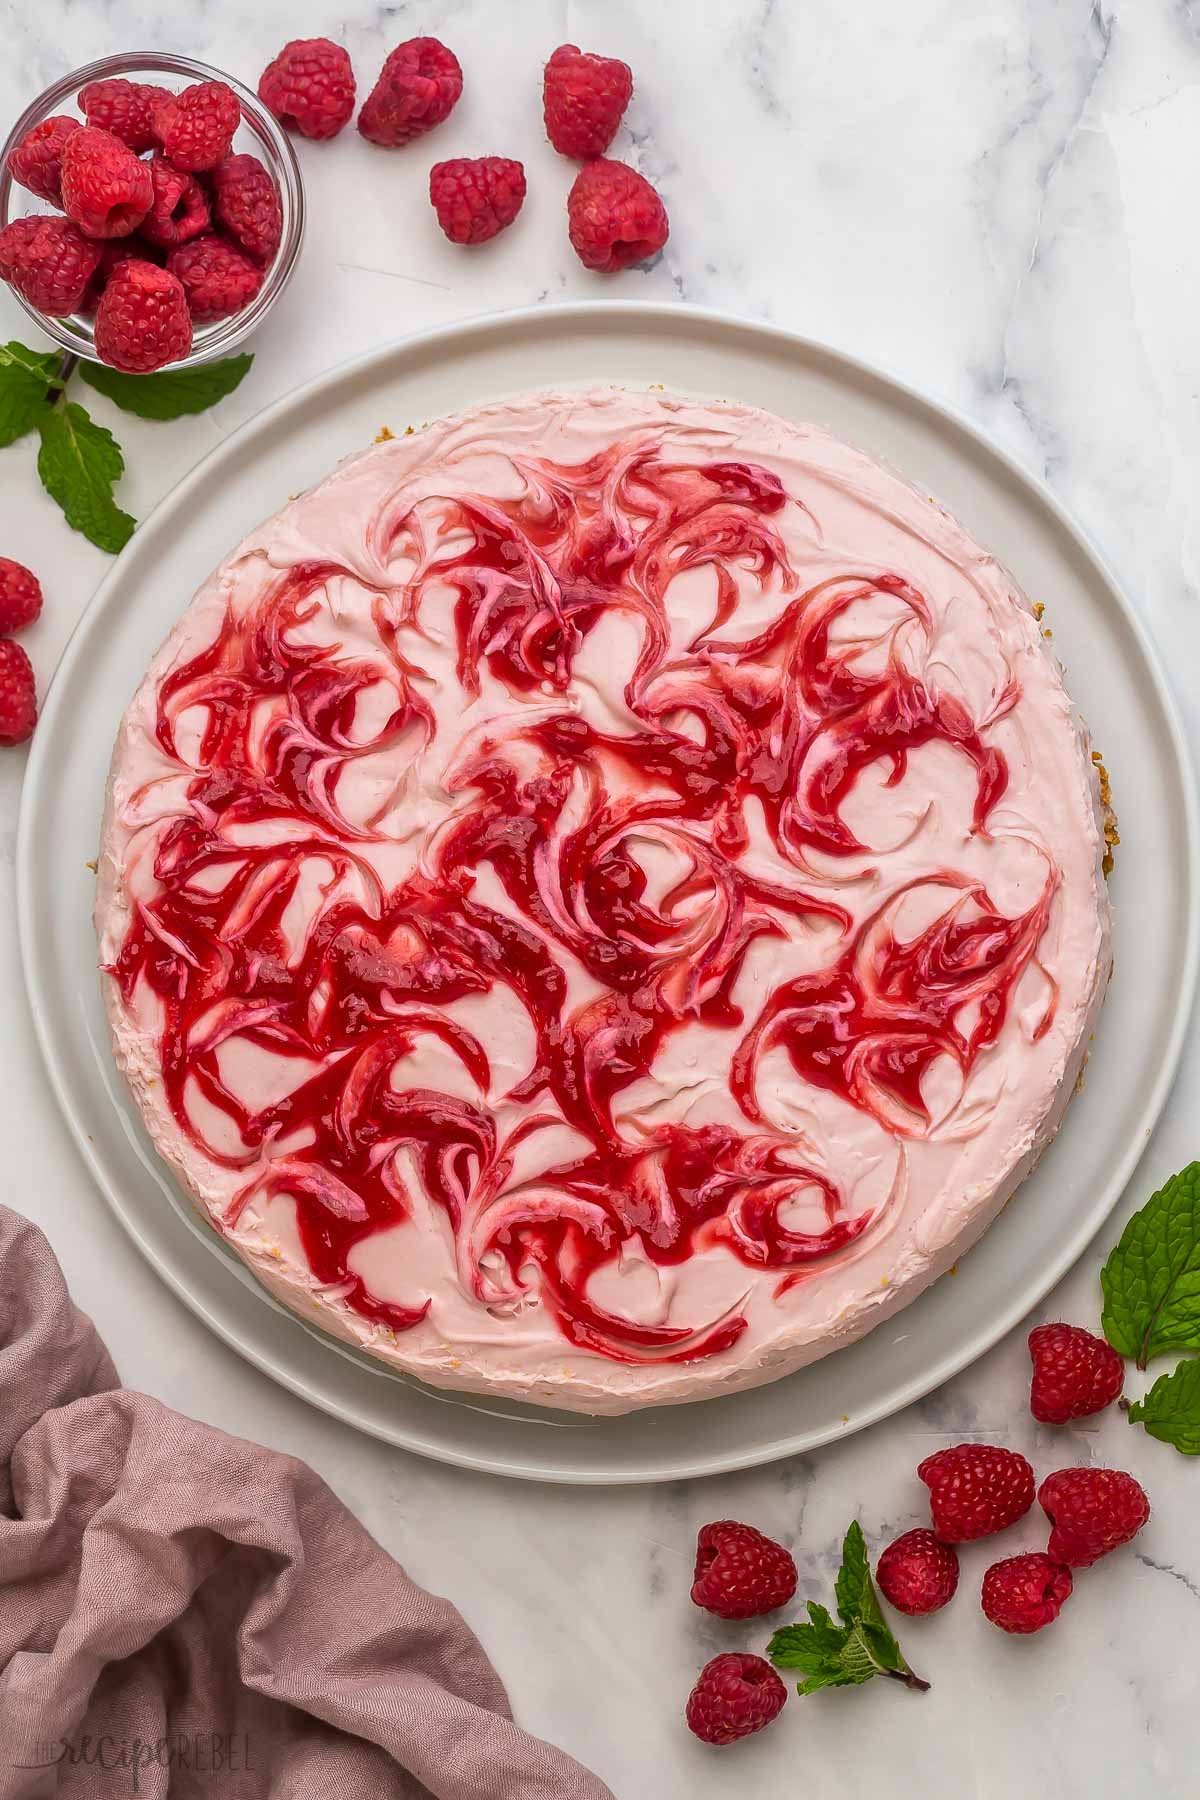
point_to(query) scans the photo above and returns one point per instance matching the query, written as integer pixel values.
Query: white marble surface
(995, 198)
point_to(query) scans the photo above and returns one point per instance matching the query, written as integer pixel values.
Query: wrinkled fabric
(184, 1613)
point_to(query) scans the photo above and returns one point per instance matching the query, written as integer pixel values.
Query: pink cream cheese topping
(601, 900)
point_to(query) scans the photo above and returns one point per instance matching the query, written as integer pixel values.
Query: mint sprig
(1151, 1286)
(80, 462)
(846, 1654)
(1171, 1410)
(1151, 1281)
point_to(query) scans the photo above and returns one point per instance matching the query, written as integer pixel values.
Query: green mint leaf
(1151, 1281)
(26, 378)
(78, 464)
(1171, 1410)
(824, 1626)
(44, 364)
(855, 1590)
(830, 1655)
(819, 1651)
(859, 1655)
(884, 1649)
(171, 395)
(824, 1678)
(858, 1603)
(801, 1646)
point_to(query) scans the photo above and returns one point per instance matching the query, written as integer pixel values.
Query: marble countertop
(992, 198)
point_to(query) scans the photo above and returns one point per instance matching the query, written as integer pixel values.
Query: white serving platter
(1113, 677)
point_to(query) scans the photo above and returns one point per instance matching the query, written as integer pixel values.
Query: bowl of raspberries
(151, 212)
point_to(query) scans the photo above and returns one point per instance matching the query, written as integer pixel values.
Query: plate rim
(651, 314)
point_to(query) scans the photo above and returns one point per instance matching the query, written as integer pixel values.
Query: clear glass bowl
(258, 133)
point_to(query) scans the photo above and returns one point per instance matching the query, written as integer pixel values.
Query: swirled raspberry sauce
(600, 900)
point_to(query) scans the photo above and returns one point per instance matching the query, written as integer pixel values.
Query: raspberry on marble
(1092, 1511)
(418, 87)
(309, 87)
(614, 217)
(20, 596)
(1024, 1593)
(583, 100)
(475, 197)
(734, 1696)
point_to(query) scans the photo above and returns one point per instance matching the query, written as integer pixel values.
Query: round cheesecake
(601, 900)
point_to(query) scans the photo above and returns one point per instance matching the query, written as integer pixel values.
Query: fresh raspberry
(309, 87)
(49, 262)
(1074, 1373)
(218, 278)
(740, 1573)
(36, 162)
(195, 127)
(18, 694)
(975, 1489)
(476, 196)
(614, 216)
(918, 1573)
(1092, 1511)
(113, 252)
(105, 189)
(247, 205)
(142, 320)
(583, 100)
(179, 210)
(733, 1696)
(418, 87)
(20, 596)
(1023, 1593)
(126, 108)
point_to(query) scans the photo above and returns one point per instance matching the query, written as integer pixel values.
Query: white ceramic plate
(1113, 678)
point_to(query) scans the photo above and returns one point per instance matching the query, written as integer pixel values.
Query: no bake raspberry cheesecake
(601, 899)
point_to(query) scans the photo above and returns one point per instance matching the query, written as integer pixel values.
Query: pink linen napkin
(184, 1613)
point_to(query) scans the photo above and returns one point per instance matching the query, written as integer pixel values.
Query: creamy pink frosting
(872, 993)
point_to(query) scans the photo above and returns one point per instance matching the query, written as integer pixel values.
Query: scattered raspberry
(418, 87)
(142, 320)
(614, 216)
(476, 196)
(1074, 1373)
(105, 189)
(247, 205)
(309, 87)
(18, 696)
(196, 127)
(733, 1696)
(918, 1573)
(1092, 1511)
(20, 596)
(217, 277)
(49, 262)
(1023, 1593)
(583, 100)
(740, 1573)
(975, 1489)
(36, 162)
(179, 210)
(126, 108)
